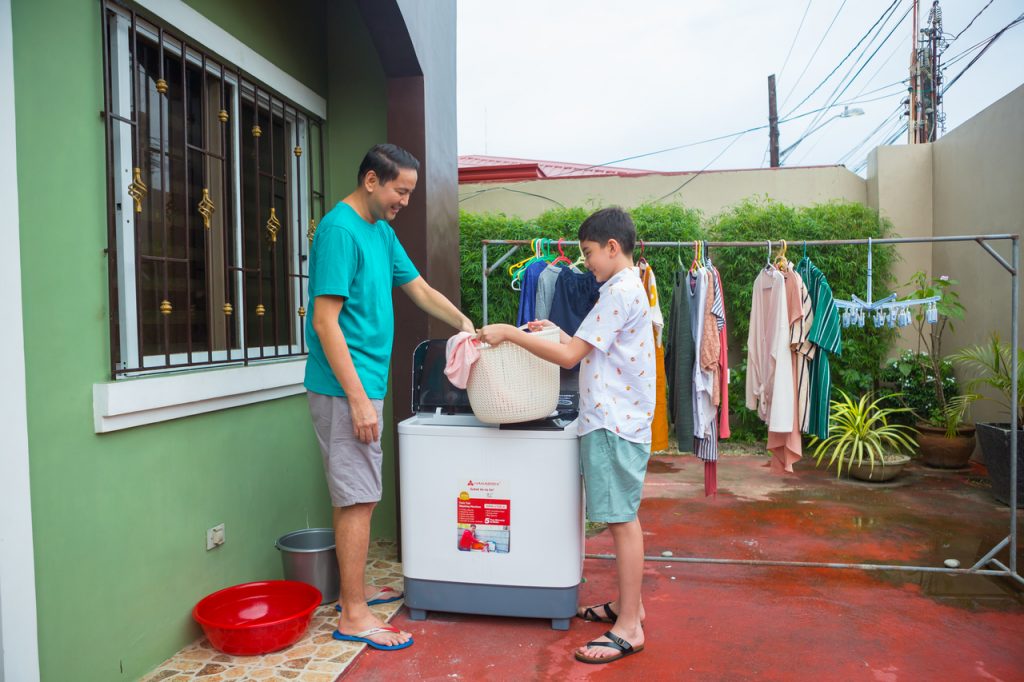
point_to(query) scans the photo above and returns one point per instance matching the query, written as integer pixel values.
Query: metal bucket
(308, 556)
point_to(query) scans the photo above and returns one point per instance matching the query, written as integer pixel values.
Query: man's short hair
(386, 160)
(609, 223)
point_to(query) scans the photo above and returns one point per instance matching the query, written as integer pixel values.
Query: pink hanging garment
(723, 372)
(787, 447)
(462, 351)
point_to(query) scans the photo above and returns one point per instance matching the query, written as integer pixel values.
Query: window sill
(125, 404)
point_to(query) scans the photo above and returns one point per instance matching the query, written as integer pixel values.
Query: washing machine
(492, 516)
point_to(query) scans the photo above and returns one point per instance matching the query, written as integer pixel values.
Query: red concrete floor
(726, 622)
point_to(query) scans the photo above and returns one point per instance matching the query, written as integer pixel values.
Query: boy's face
(387, 199)
(603, 261)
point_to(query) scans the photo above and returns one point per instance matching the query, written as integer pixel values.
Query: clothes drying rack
(984, 565)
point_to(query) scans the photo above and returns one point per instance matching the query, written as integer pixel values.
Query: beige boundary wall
(971, 181)
(709, 193)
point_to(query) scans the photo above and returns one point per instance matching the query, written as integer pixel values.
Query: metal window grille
(214, 188)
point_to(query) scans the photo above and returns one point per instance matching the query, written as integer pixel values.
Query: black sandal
(622, 646)
(590, 615)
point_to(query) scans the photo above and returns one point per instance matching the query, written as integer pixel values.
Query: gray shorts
(352, 468)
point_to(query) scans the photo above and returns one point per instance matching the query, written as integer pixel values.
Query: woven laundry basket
(509, 384)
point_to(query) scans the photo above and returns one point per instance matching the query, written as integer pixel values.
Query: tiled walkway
(317, 657)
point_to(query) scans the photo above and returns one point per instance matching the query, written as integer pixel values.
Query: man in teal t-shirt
(355, 262)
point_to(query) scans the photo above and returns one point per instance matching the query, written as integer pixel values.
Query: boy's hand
(494, 334)
(539, 325)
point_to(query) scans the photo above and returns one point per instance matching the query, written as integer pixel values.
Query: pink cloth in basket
(462, 351)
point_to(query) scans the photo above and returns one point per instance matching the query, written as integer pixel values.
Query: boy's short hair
(386, 160)
(609, 223)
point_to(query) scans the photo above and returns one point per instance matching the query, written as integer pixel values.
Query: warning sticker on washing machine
(483, 516)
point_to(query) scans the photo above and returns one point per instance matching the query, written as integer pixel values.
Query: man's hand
(494, 334)
(364, 419)
(467, 326)
(539, 325)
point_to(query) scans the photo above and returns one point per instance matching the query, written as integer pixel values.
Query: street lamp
(847, 113)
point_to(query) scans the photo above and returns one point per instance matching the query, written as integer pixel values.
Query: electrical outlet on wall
(215, 537)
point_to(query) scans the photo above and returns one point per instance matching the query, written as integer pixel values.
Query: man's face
(386, 200)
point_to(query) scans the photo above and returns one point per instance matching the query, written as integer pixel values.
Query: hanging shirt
(723, 360)
(617, 375)
(546, 289)
(574, 297)
(659, 425)
(787, 447)
(651, 287)
(679, 352)
(528, 292)
(697, 285)
(826, 335)
(769, 389)
(804, 352)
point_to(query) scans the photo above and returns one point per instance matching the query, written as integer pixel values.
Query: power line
(843, 60)
(813, 54)
(991, 40)
(837, 93)
(797, 35)
(728, 135)
(971, 22)
(706, 166)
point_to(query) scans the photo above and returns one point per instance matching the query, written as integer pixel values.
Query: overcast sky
(593, 81)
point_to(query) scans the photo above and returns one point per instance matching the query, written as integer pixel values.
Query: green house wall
(119, 519)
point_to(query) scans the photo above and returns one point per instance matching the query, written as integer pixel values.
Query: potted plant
(864, 439)
(992, 363)
(926, 381)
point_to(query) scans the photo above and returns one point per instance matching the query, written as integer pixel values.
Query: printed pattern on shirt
(617, 377)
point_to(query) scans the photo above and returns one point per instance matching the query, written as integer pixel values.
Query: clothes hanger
(780, 261)
(768, 258)
(561, 255)
(696, 264)
(642, 260)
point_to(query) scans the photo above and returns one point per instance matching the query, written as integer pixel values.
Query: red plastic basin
(257, 618)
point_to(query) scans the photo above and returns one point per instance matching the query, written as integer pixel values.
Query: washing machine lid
(431, 390)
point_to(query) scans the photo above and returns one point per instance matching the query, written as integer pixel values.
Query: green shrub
(910, 378)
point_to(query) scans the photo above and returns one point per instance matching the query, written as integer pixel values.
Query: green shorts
(613, 474)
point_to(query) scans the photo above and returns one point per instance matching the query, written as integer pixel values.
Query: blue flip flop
(378, 600)
(364, 638)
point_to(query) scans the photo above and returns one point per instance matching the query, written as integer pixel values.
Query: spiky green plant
(993, 364)
(859, 430)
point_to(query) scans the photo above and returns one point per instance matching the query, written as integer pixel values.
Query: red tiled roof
(476, 168)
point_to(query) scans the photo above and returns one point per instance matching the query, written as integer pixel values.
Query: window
(214, 185)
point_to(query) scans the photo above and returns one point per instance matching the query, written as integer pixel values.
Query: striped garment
(803, 352)
(827, 336)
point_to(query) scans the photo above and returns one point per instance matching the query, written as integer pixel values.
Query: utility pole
(773, 124)
(925, 103)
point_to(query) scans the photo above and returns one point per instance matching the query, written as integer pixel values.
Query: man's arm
(566, 355)
(325, 324)
(435, 304)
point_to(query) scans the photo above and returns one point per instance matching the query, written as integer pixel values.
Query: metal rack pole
(982, 240)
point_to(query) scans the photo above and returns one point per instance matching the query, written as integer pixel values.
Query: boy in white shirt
(617, 395)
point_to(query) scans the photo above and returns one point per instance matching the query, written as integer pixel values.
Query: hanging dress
(679, 352)
(769, 387)
(659, 425)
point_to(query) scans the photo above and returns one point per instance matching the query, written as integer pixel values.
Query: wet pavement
(741, 622)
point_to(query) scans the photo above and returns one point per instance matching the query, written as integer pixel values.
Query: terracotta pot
(889, 469)
(945, 453)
